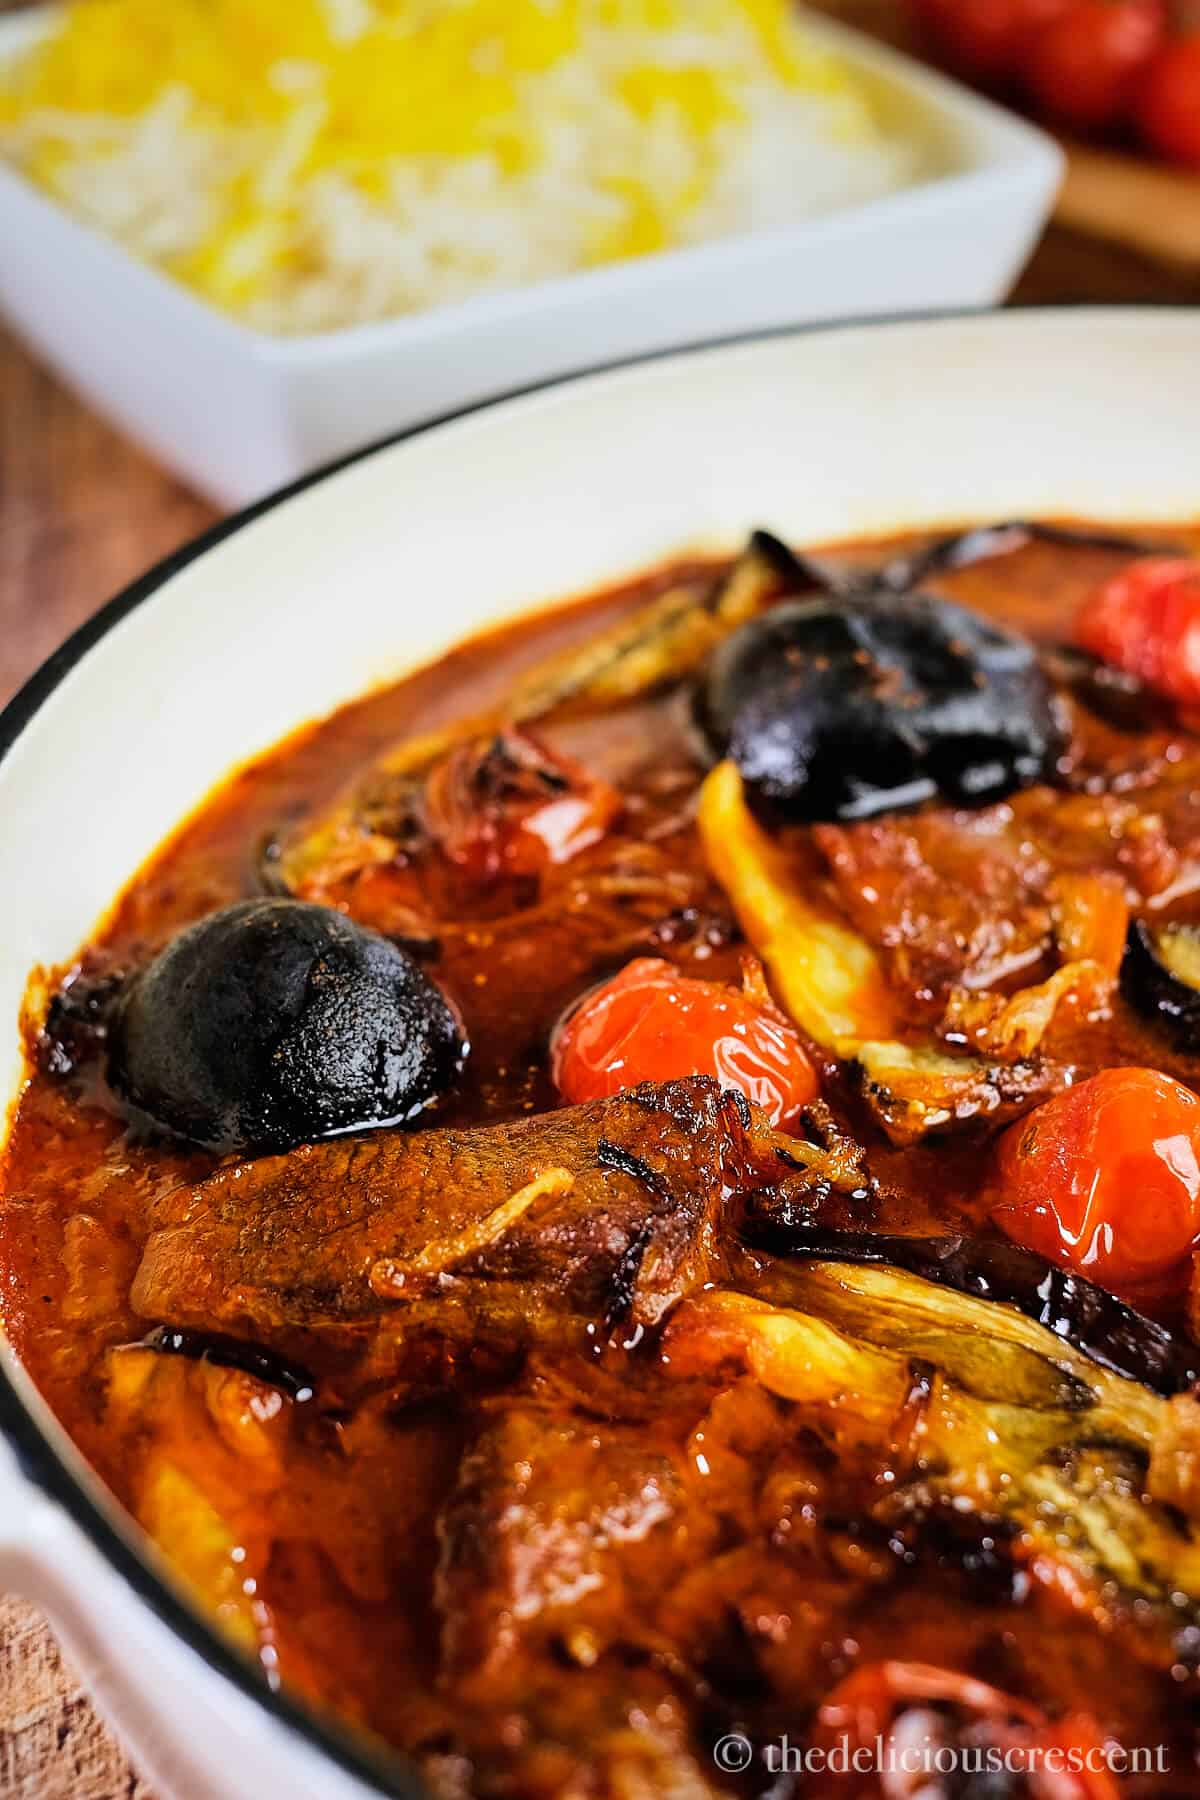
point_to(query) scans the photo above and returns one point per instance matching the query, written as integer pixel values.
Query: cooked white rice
(271, 219)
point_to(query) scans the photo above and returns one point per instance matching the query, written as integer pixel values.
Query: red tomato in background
(1146, 620)
(1084, 69)
(988, 39)
(650, 1023)
(1105, 1179)
(1168, 109)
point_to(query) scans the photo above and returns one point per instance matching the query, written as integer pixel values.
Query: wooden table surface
(82, 513)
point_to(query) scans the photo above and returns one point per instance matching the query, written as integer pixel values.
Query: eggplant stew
(637, 1191)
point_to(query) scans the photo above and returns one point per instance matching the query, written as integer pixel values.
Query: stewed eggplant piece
(1088, 1318)
(274, 1022)
(980, 543)
(231, 1353)
(1160, 977)
(966, 1410)
(843, 708)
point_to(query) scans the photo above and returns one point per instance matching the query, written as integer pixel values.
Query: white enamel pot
(315, 595)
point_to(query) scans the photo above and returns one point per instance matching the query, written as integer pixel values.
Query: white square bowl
(237, 412)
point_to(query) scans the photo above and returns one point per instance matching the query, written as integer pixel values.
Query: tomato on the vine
(987, 39)
(1168, 110)
(1105, 1179)
(650, 1023)
(1146, 620)
(1090, 65)
(1084, 68)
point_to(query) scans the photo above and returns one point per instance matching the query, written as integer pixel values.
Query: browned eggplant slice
(1160, 977)
(832, 981)
(1084, 1315)
(231, 1353)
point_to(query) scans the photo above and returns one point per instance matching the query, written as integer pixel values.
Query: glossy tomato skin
(1168, 109)
(650, 1023)
(1085, 68)
(1146, 620)
(986, 39)
(1105, 1179)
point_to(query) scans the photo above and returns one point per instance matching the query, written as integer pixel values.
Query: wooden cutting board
(1129, 201)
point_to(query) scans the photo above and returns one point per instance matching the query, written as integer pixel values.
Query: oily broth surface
(77, 1184)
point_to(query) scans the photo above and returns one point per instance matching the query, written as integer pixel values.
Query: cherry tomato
(1105, 1179)
(650, 1023)
(1146, 620)
(1085, 67)
(987, 39)
(1169, 103)
(510, 805)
